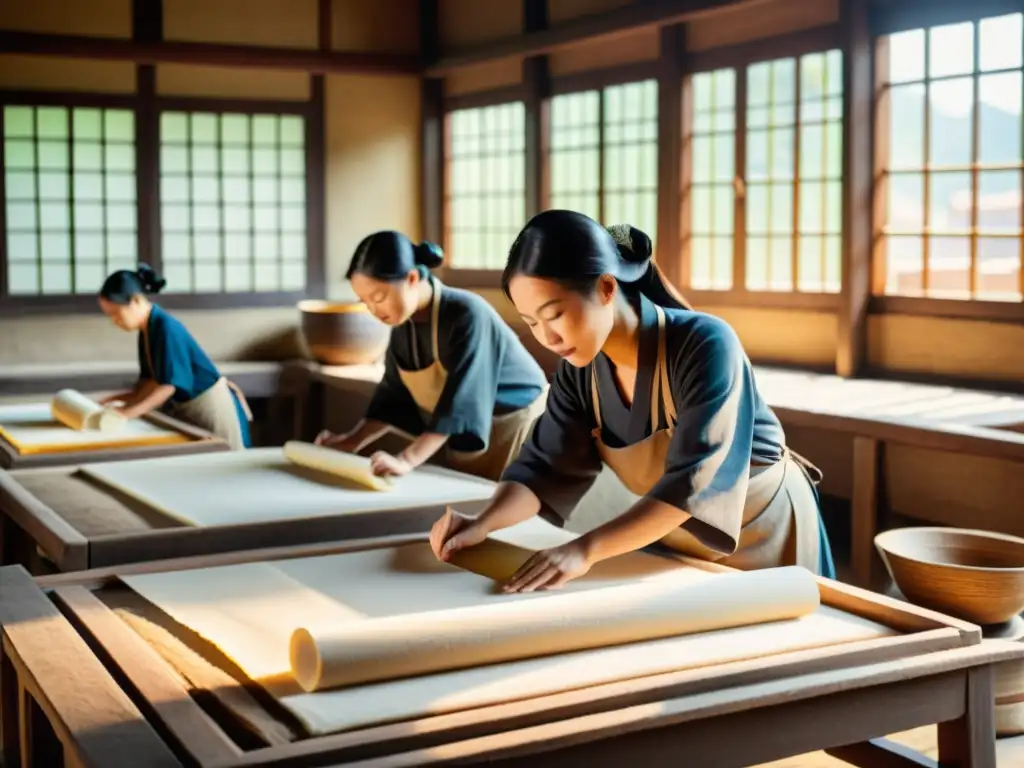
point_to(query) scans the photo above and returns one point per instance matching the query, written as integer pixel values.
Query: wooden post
(537, 85)
(858, 94)
(668, 244)
(867, 455)
(432, 129)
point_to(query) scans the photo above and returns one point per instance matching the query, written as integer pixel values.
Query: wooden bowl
(343, 333)
(974, 575)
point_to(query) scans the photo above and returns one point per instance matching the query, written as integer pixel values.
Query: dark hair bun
(428, 254)
(634, 245)
(149, 279)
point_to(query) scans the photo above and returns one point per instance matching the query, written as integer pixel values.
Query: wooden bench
(880, 416)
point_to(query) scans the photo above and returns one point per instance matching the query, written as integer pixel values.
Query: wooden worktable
(936, 670)
(64, 519)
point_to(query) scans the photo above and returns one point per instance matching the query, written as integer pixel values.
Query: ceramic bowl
(973, 575)
(343, 333)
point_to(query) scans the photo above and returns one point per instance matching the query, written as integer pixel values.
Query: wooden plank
(92, 716)
(210, 54)
(97, 577)
(146, 672)
(596, 700)
(161, 543)
(596, 26)
(60, 541)
(917, 432)
(867, 463)
(780, 718)
(858, 100)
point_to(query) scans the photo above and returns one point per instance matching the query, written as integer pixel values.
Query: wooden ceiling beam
(210, 54)
(611, 24)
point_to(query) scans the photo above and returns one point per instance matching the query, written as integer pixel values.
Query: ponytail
(390, 256)
(124, 285)
(635, 247)
(574, 250)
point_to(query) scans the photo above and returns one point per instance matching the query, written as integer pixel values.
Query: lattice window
(630, 161)
(233, 202)
(485, 186)
(575, 153)
(950, 155)
(70, 196)
(603, 155)
(712, 195)
(781, 120)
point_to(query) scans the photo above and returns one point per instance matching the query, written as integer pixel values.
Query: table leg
(867, 454)
(10, 753)
(970, 741)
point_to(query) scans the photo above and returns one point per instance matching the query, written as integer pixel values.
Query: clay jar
(343, 333)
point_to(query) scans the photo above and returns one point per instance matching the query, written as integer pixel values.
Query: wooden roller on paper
(434, 641)
(80, 413)
(337, 463)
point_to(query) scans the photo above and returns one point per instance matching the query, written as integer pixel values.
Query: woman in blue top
(456, 376)
(662, 395)
(174, 370)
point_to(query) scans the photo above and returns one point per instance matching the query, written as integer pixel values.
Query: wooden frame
(826, 698)
(200, 441)
(147, 48)
(740, 57)
(30, 527)
(901, 17)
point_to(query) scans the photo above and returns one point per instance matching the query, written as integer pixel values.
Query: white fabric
(249, 612)
(257, 485)
(31, 426)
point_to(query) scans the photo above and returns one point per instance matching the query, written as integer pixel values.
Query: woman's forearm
(366, 431)
(148, 397)
(512, 503)
(644, 523)
(423, 447)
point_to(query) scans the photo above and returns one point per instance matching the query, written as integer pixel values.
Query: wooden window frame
(903, 18)
(458, 277)
(147, 106)
(740, 57)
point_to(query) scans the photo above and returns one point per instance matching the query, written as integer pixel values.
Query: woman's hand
(329, 439)
(114, 398)
(383, 464)
(455, 531)
(551, 568)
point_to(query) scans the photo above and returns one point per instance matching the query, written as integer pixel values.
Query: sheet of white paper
(249, 612)
(252, 486)
(32, 425)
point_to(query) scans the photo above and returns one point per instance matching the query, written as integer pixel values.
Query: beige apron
(780, 514)
(212, 410)
(508, 431)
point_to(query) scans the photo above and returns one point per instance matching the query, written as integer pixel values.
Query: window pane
(999, 118)
(998, 269)
(999, 201)
(18, 122)
(950, 102)
(1000, 42)
(224, 188)
(906, 134)
(951, 49)
(757, 263)
(949, 206)
(905, 264)
(949, 267)
(906, 202)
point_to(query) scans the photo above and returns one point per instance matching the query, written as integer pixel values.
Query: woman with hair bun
(455, 374)
(662, 395)
(173, 369)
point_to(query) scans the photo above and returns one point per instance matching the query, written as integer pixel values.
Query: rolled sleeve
(708, 464)
(466, 407)
(559, 462)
